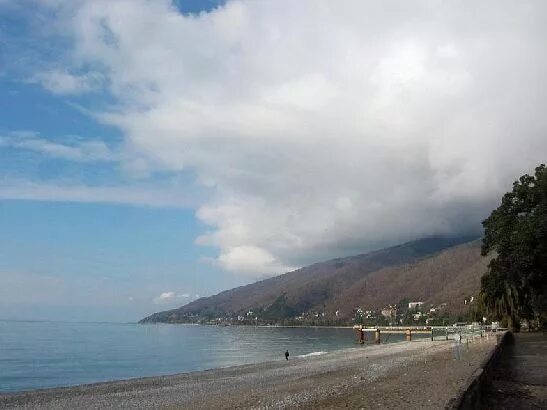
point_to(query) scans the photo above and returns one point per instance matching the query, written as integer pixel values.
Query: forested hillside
(434, 270)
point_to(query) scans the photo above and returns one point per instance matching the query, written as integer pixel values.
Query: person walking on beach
(457, 346)
(287, 355)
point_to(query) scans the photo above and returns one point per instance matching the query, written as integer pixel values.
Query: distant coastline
(247, 325)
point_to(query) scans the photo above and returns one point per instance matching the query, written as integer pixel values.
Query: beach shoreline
(360, 377)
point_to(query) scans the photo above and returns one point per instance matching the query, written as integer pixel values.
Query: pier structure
(460, 333)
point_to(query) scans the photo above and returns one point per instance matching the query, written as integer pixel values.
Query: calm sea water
(48, 354)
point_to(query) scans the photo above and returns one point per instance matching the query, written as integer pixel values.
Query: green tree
(514, 287)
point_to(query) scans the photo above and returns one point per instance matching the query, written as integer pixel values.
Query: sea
(37, 355)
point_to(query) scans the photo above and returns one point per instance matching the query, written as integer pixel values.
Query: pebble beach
(421, 374)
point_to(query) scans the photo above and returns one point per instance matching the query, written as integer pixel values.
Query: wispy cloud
(151, 195)
(75, 149)
(138, 188)
(64, 83)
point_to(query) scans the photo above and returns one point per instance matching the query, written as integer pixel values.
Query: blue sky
(153, 151)
(124, 255)
(129, 253)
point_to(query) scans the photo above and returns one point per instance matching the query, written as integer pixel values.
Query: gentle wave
(312, 354)
(42, 355)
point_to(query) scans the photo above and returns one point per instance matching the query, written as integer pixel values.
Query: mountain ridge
(337, 286)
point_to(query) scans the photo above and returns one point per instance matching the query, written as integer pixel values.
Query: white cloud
(74, 150)
(165, 297)
(63, 82)
(170, 297)
(325, 127)
(447, 51)
(251, 259)
(147, 195)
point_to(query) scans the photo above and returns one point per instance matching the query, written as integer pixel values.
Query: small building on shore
(415, 305)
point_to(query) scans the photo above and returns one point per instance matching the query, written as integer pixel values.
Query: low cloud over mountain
(320, 128)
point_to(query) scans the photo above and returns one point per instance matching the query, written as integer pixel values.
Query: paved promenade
(520, 380)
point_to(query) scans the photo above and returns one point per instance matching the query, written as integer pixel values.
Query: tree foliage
(514, 287)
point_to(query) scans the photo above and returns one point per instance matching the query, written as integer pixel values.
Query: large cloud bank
(322, 128)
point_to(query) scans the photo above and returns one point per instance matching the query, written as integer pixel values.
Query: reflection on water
(47, 354)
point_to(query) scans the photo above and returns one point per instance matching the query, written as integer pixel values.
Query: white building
(414, 305)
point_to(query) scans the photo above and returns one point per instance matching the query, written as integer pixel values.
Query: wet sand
(419, 374)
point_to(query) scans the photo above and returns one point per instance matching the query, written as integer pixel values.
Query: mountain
(433, 270)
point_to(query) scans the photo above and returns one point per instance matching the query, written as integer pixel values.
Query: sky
(152, 152)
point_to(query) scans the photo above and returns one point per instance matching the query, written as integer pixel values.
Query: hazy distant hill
(434, 270)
